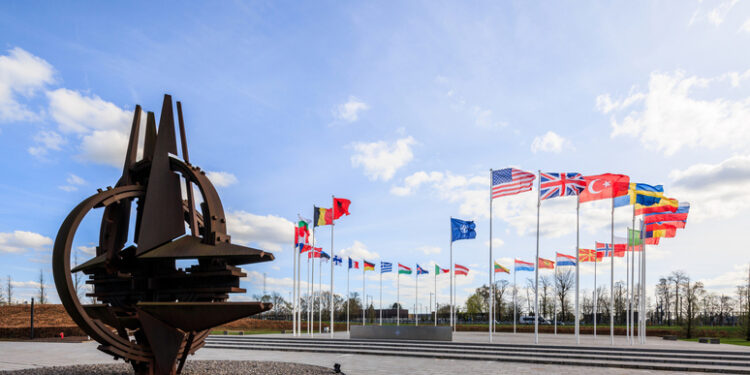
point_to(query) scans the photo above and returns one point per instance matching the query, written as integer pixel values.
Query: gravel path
(191, 368)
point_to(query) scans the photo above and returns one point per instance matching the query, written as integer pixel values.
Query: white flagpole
(642, 312)
(515, 291)
(299, 292)
(453, 276)
(578, 268)
(536, 261)
(596, 260)
(632, 281)
(627, 293)
(309, 290)
(436, 304)
(554, 299)
(320, 293)
(381, 293)
(398, 296)
(331, 302)
(364, 296)
(348, 298)
(612, 279)
(416, 298)
(490, 316)
(294, 286)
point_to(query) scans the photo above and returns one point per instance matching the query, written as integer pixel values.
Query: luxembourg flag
(565, 260)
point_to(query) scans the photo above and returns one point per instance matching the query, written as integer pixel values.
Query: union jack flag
(555, 185)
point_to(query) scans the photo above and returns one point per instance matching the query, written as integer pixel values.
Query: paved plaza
(20, 355)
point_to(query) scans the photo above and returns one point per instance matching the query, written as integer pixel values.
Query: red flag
(340, 207)
(546, 263)
(604, 186)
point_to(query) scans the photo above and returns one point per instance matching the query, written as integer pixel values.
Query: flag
(634, 238)
(642, 194)
(605, 250)
(353, 264)
(523, 266)
(555, 185)
(421, 271)
(511, 181)
(499, 268)
(302, 218)
(565, 260)
(680, 214)
(315, 253)
(337, 261)
(305, 248)
(439, 270)
(368, 266)
(386, 267)
(324, 256)
(322, 216)
(588, 255)
(665, 231)
(460, 270)
(546, 264)
(604, 186)
(664, 205)
(402, 269)
(621, 245)
(340, 207)
(462, 230)
(301, 234)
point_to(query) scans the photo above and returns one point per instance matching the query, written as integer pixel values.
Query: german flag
(323, 216)
(369, 266)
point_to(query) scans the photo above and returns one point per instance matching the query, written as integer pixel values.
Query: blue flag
(386, 267)
(462, 230)
(337, 260)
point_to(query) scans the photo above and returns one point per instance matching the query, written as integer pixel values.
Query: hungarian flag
(439, 270)
(499, 268)
(546, 264)
(460, 270)
(588, 255)
(402, 269)
(369, 266)
(340, 207)
(323, 216)
(604, 186)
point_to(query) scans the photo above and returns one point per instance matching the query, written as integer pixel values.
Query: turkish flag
(604, 186)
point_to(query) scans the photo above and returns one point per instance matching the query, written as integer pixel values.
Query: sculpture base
(427, 333)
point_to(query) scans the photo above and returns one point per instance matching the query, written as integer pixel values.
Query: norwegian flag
(553, 185)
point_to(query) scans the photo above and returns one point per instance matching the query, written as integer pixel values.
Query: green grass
(725, 340)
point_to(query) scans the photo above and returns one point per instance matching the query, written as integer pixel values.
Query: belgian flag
(323, 216)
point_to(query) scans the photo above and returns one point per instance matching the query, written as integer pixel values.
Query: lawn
(730, 340)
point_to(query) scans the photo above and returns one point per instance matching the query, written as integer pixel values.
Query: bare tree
(678, 278)
(663, 300)
(500, 288)
(693, 293)
(9, 290)
(564, 282)
(546, 298)
(42, 293)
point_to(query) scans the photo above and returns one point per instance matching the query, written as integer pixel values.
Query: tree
(42, 293)
(9, 290)
(663, 299)
(500, 288)
(564, 282)
(355, 307)
(475, 304)
(678, 278)
(545, 300)
(692, 294)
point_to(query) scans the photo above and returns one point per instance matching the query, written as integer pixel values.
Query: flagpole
(381, 293)
(536, 268)
(642, 312)
(578, 268)
(299, 291)
(596, 260)
(452, 319)
(491, 317)
(320, 293)
(416, 298)
(398, 296)
(309, 285)
(515, 291)
(627, 292)
(331, 302)
(632, 282)
(294, 286)
(348, 298)
(612, 279)
(364, 296)
(436, 309)
(554, 300)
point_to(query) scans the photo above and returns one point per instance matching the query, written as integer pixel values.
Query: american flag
(555, 185)
(511, 181)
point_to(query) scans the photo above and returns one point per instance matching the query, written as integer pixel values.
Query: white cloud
(90, 250)
(46, 140)
(414, 181)
(427, 250)
(714, 16)
(73, 183)
(550, 142)
(672, 116)
(104, 147)
(745, 26)
(381, 160)
(712, 187)
(221, 179)
(20, 241)
(21, 73)
(496, 242)
(350, 110)
(728, 280)
(269, 232)
(359, 251)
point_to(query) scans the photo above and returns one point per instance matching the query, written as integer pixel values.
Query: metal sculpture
(148, 311)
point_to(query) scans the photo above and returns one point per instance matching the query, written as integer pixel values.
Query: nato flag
(462, 230)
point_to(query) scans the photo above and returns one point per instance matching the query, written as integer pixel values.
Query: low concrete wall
(429, 333)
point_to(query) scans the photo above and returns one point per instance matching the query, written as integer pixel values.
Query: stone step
(618, 363)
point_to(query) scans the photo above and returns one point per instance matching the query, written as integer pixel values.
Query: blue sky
(401, 107)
